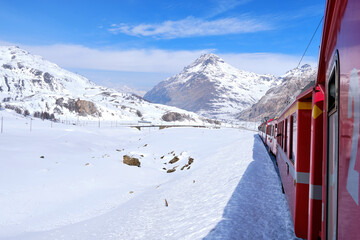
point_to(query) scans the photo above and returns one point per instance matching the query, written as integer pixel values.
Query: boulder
(131, 161)
(174, 160)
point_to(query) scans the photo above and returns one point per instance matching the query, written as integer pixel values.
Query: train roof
(304, 96)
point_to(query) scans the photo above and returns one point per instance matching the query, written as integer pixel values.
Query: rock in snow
(131, 161)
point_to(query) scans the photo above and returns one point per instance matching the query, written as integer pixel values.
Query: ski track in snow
(231, 190)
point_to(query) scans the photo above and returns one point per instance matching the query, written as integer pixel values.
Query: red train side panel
(339, 76)
(315, 188)
(293, 157)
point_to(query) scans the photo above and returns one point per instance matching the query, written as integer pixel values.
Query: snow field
(82, 190)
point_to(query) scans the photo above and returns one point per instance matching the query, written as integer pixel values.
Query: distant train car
(293, 158)
(262, 131)
(271, 132)
(267, 132)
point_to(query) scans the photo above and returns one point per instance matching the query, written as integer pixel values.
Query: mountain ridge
(211, 87)
(31, 84)
(277, 98)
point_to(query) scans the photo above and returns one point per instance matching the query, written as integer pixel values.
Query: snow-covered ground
(69, 182)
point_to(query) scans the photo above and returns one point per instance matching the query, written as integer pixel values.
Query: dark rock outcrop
(82, 107)
(174, 116)
(131, 161)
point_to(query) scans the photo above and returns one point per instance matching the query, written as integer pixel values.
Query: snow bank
(69, 182)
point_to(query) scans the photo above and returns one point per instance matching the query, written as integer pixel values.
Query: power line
(310, 42)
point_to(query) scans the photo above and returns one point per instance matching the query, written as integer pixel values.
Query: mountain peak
(305, 66)
(211, 87)
(12, 49)
(209, 58)
(296, 72)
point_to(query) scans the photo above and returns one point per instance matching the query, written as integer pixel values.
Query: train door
(332, 176)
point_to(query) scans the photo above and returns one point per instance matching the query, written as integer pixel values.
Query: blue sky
(139, 42)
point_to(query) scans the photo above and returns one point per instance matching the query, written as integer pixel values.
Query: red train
(317, 136)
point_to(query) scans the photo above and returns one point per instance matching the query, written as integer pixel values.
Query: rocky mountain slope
(31, 85)
(213, 88)
(277, 98)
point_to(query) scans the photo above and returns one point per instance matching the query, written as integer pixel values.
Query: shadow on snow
(257, 209)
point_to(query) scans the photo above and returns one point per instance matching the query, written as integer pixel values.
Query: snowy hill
(69, 182)
(277, 98)
(213, 88)
(30, 84)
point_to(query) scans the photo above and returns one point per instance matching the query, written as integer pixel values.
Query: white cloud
(263, 63)
(193, 27)
(223, 6)
(137, 60)
(160, 61)
(5, 43)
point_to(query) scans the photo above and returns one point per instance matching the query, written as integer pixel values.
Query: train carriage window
(281, 129)
(332, 170)
(282, 134)
(332, 94)
(275, 132)
(286, 135)
(293, 137)
(269, 130)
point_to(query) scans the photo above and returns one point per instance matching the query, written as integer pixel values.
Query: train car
(339, 80)
(293, 158)
(318, 135)
(271, 132)
(262, 133)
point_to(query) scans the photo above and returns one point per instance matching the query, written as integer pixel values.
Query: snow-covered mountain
(30, 84)
(213, 88)
(277, 98)
(129, 90)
